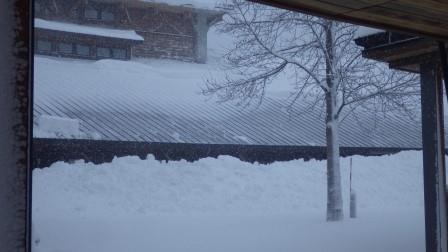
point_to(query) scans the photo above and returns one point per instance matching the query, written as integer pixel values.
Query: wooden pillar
(433, 158)
(15, 114)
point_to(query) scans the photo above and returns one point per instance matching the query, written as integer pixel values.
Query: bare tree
(328, 70)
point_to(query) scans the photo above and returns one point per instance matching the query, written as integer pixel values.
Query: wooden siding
(422, 17)
(399, 51)
(165, 45)
(167, 35)
(56, 37)
(169, 32)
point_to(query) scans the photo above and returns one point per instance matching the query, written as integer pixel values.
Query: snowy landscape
(226, 205)
(214, 204)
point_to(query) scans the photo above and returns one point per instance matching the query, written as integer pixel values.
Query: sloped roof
(204, 6)
(151, 102)
(87, 30)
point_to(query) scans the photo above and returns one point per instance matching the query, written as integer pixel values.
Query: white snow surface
(48, 126)
(226, 205)
(200, 4)
(84, 29)
(51, 126)
(366, 31)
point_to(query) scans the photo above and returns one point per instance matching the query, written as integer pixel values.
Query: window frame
(86, 46)
(90, 7)
(100, 49)
(63, 52)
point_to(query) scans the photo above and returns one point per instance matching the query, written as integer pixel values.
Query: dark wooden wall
(56, 37)
(49, 151)
(168, 34)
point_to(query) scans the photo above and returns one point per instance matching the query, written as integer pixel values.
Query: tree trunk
(334, 191)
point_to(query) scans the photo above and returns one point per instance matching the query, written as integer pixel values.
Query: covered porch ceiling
(420, 17)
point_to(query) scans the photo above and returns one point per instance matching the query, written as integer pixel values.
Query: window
(40, 9)
(83, 50)
(74, 13)
(90, 13)
(119, 53)
(37, 7)
(66, 48)
(107, 15)
(133, 91)
(103, 52)
(43, 45)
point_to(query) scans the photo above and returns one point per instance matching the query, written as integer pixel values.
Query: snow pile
(223, 205)
(47, 126)
(225, 185)
(89, 30)
(58, 127)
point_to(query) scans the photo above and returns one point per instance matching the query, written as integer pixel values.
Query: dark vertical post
(200, 31)
(433, 158)
(15, 121)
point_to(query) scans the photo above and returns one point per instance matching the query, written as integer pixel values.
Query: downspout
(444, 65)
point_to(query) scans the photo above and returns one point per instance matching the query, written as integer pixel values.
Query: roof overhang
(165, 6)
(400, 51)
(427, 18)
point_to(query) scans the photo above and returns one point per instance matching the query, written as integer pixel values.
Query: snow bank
(223, 205)
(225, 185)
(90, 30)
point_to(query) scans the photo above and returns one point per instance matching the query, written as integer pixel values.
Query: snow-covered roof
(159, 101)
(200, 4)
(89, 30)
(152, 100)
(366, 31)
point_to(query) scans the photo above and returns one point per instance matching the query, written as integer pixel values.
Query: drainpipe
(444, 64)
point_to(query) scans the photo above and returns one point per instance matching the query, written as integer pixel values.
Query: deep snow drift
(226, 205)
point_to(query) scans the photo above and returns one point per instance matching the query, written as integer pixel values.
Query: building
(98, 29)
(421, 18)
(116, 108)
(120, 108)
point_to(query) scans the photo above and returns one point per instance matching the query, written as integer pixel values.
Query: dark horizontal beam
(412, 63)
(400, 49)
(49, 151)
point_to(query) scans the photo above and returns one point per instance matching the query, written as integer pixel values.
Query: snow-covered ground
(225, 205)
(211, 205)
